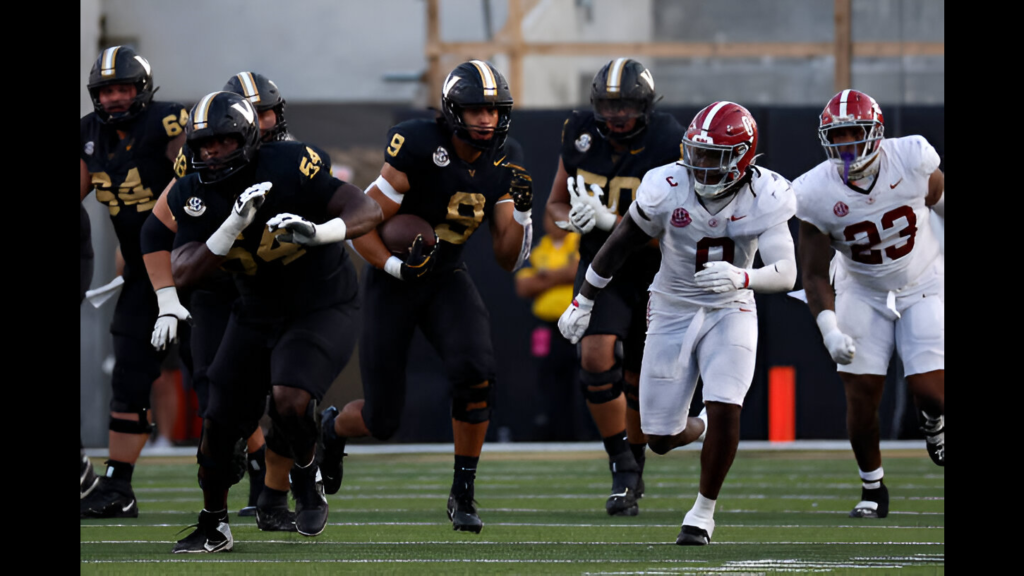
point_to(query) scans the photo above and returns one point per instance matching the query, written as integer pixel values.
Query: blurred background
(350, 69)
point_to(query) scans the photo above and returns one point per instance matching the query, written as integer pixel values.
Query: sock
(257, 461)
(270, 498)
(871, 480)
(465, 472)
(120, 470)
(702, 515)
(616, 444)
(639, 454)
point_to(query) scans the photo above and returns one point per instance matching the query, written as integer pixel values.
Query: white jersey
(884, 238)
(690, 236)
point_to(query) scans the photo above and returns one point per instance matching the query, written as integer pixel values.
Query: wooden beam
(434, 70)
(694, 49)
(515, 53)
(843, 45)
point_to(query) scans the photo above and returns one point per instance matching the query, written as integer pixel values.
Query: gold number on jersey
(130, 192)
(180, 165)
(173, 125)
(311, 164)
(461, 204)
(267, 252)
(396, 145)
(613, 189)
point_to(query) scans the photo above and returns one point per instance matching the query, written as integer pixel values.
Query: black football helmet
(622, 89)
(264, 95)
(222, 114)
(121, 65)
(477, 84)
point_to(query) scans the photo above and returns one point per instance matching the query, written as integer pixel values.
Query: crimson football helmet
(121, 65)
(857, 110)
(718, 146)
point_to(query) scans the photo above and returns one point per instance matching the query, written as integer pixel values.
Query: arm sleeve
(779, 271)
(155, 236)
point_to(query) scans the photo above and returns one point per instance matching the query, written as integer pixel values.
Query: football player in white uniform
(870, 202)
(711, 212)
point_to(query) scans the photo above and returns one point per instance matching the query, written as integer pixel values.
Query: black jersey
(586, 153)
(453, 195)
(130, 174)
(274, 279)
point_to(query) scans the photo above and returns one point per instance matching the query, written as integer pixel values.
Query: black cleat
(331, 452)
(625, 480)
(88, 478)
(212, 534)
(110, 498)
(256, 476)
(310, 502)
(873, 503)
(462, 511)
(693, 536)
(276, 519)
(936, 443)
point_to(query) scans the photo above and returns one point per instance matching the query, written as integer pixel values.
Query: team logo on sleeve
(89, 147)
(681, 218)
(583, 142)
(441, 157)
(840, 209)
(194, 206)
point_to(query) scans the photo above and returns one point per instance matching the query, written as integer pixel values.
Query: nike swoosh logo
(209, 547)
(637, 151)
(125, 509)
(891, 186)
(499, 161)
(735, 217)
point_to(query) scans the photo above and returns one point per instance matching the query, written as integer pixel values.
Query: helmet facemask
(476, 84)
(121, 65)
(715, 167)
(612, 112)
(217, 115)
(853, 166)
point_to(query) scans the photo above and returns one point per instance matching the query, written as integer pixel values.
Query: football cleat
(88, 478)
(275, 519)
(693, 536)
(110, 498)
(310, 503)
(462, 511)
(873, 503)
(331, 452)
(936, 443)
(211, 534)
(625, 481)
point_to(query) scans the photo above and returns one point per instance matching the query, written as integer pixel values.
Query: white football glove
(300, 230)
(581, 217)
(605, 217)
(171, 312)
(241, 215)
(576, 318)
(840, 346)
(720, 277)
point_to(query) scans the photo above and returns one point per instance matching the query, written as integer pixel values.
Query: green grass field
(543, 513)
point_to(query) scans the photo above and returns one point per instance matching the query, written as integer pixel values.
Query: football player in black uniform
(128, 148)
(87, 476)
(453, 172)
(275, 217)
(211, 303)
(608, 151)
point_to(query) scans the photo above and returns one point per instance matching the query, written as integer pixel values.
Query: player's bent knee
(632, 392)
(126, 426)
(471, 404)
(660, 445)
(221, 455)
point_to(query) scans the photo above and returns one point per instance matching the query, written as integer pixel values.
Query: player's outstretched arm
(86, 180)
(157, 241)
(512, 222)
(352, 215)
(777, 275)
(558, 205)
(936, 199)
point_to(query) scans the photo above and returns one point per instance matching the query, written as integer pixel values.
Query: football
(400, 231)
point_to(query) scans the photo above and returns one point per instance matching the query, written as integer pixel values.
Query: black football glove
(522, 188)
(420, 259)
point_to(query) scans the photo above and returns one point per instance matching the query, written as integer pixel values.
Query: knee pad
(140, 426)
(224, 466)
(632, 395)
(612, 376)
(472, 405)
